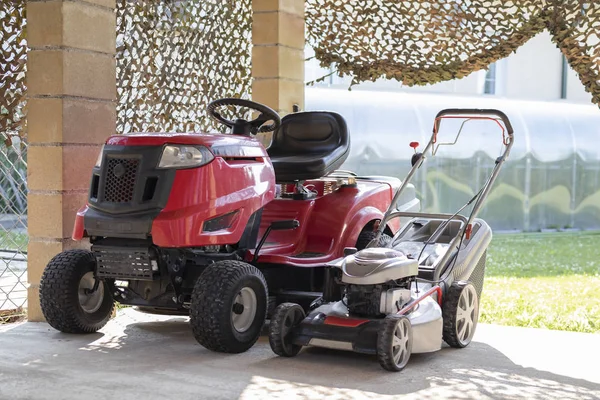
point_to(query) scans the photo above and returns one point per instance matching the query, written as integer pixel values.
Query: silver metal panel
(374, 266)
(330, 344)
(427, 326)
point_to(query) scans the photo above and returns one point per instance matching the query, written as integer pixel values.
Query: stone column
(278, 54)
(71, 83)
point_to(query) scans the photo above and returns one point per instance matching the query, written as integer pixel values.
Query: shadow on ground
(160, 359)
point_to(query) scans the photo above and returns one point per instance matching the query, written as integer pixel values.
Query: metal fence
(13, 161)
(13, 228)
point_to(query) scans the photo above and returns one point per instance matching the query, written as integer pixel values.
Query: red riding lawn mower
(216, 227)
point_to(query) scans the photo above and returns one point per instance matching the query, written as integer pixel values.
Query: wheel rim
(400, 343)
(90, 302)
(466, 314)
(243, 310)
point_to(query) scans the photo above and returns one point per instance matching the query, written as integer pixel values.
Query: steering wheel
(242, 126)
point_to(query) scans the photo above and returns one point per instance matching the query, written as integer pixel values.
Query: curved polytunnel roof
(383, 123)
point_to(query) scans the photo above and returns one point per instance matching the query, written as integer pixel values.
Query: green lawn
(544, 280)
(13, 241)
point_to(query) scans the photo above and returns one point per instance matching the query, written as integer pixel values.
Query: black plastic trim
(137, 226)
(363, 337)
(149, 157)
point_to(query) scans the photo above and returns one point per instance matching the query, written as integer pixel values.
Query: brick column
(278, 53)
(71, 83)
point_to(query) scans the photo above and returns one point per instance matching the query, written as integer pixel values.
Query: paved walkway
(141, 357)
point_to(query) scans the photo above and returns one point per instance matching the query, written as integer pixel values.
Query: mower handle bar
(462, 112)
(465, 112)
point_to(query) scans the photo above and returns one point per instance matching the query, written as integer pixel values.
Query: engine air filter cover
(377, 265)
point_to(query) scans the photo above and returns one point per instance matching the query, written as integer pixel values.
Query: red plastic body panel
(215, 189)
(240, 178)
(207, 139)
(345, 322)
(328, 224)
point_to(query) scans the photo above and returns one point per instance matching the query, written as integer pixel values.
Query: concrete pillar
(71, 83)
(278, 53)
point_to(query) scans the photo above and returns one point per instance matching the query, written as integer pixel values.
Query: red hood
(220, 144)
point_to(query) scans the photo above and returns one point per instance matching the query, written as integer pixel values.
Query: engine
(377, 281)
(376, 300)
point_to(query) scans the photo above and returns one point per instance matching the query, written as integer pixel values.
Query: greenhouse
(550, 181)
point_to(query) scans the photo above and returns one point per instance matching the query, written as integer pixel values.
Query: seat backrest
(309, 132)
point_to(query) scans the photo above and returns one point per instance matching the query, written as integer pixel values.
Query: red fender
(356, 225)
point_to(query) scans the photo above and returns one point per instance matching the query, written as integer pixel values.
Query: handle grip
(475, 111)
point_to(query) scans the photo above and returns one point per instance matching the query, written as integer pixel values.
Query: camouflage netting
(13, 56)
(174, 57)
(425, 42)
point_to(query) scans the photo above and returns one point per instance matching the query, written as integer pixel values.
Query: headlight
(175, 156)
(99, 160)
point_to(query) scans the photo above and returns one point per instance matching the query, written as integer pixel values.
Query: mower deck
(331, 326)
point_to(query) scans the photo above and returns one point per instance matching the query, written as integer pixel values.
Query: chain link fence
(13, 161)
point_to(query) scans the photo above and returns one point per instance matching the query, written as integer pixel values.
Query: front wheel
(394, 343)
(229, 306)
(285, 318)
(71, 299)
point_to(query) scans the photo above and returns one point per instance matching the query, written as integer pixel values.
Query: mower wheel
(67, 298)
(460, 312)
(394, 342)
(285, 318)
(366, 237)
(229, 306)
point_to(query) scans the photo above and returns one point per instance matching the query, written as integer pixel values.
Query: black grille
(478, 274)
(120, 179)
(128, 263)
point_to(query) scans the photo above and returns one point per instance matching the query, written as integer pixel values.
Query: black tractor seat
(309, 145)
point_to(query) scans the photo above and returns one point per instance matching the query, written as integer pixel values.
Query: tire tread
(275, 337)
(450, 335)
(366, 237)
(57, 285)
(207, 305)
(386, 333)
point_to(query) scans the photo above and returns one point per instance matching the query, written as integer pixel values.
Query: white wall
(534, 71)
(575, 89)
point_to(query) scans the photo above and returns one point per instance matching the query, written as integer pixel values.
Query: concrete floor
(139, 356)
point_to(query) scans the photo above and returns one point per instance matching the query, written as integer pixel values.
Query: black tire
(366, 237)
(59, 294)
(285, 318)
(212, 306)
(386, 354)
(454, 304)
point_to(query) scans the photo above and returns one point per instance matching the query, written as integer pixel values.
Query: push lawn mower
(174, 222)
(407, 294)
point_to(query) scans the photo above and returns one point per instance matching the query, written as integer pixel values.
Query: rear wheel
(460, 312)
(229, 306)
(366, 237)
(394, 343)
(285, 318)
(68, 299)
